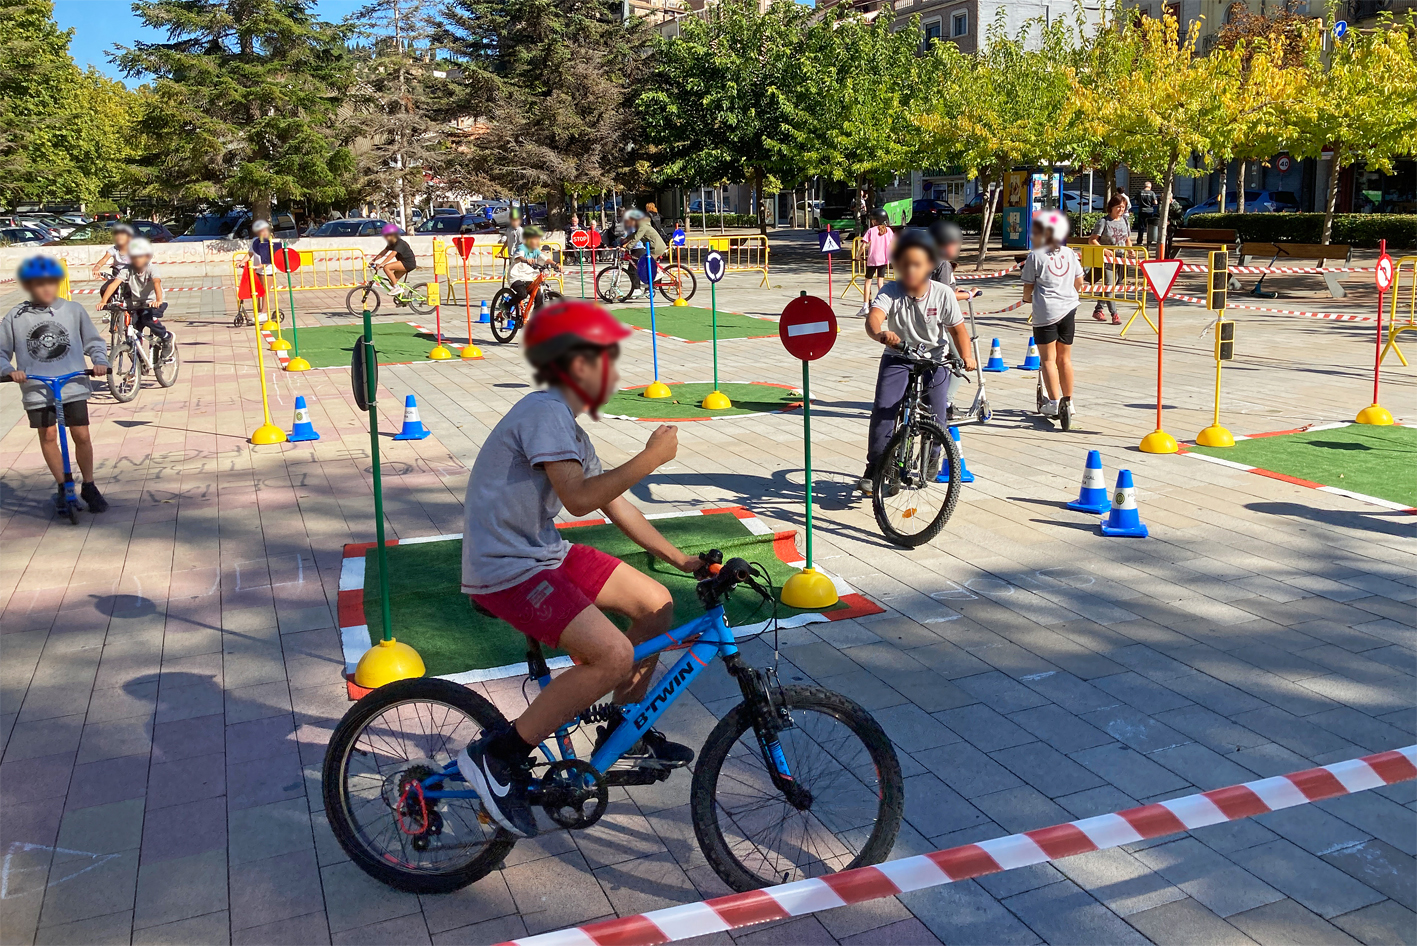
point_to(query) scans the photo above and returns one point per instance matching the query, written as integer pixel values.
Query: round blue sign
(679, 238)
(1340, 29)
(714, 266)
(646, 268)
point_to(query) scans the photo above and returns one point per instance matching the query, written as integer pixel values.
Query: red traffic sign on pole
(580, 239)
(1161, 275)
(287, 260)
(1383, 272)
(463, 244)
(807, 328)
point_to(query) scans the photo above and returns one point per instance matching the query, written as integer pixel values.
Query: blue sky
(100, 24)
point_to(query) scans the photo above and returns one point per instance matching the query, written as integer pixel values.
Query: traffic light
(1224, 339)
(1219, 280)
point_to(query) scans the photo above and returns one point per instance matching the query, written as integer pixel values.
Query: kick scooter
(978, 410)
(56, 386)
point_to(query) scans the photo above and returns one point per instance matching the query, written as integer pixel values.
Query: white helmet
(140, 247)
(260, 226)
(1054, 224)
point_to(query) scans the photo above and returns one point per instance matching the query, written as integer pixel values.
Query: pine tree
(242, 105)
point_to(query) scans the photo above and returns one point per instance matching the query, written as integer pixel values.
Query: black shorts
(1060, 331)
(873, 271)
(76, 414)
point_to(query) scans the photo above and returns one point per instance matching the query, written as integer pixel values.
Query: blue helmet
(39, 267)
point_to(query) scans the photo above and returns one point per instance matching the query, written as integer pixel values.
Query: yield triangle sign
(1160, 275)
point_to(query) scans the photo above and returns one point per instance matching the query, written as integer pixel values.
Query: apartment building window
(959, 24)
(933, 33)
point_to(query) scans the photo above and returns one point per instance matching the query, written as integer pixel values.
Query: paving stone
(1061, 913)
(935, 809)
(1270, 759)
(1233, 835)
(950, 661)
(930, 691)
(1317, 885)
(1291, 732)
(912, 730)
(621, 835)
(1312, 828)
(1141, 693)
(983, 728)
(265, 831)
(1122, 883)
(213, 928)
(33, 740)
(553, 892)
(910, 932)
(501, 930)
(175, 783)
(1133, 773)
(180, 889)
(103, 829)
(1009, 882)
(84, 885)
(1046, 769)
(1184, 922)
(865, 688)
(1068, 691)
(405, 929)
(967, 770)
(309, 928)
(1380, 866)
(1207, 691)
(277, 888)
(965, 913)
(1135, 729)
(1202, 767)
(1103, 800)
(485, 900)
(1000, 693)
(645, 883)
(1382, 924)
(1210, 729)
(1379, 816)
(114, 928)
(1060, 729)
(1218, 884)
(802, 931)
(1286, 923)
(185, 738)
(260, 782)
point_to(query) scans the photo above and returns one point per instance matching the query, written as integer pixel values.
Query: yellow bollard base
(809, 589)
(387, 662)
(269, 325)
(681, 302)
(267, 434)
(1158, 441)
(280, 344)
(297, 364)
(1375, 414)
(440, 353)
(1215, 436)
(470, 351)
(716, 401)
(658, 389)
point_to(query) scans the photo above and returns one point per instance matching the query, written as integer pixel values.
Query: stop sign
(464, 245)
(580, 239)
(286, 260)
(807, 328)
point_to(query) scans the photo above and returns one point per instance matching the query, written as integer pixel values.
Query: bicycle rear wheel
(677, 282)
(753, 836)
(388, 743)
(911, 502)
(123, 378)
(418, 299)
(613, 284)
(360, 298)
(166, 362)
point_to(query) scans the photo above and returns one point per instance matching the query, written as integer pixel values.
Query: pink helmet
(1054, 223)
(391, 229)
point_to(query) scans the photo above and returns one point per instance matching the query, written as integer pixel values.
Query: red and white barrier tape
(1198, 268)
(94, 292)
(990, 857)
(1089, 287)
(994, 275)
(1007, 308)
(1335, 316)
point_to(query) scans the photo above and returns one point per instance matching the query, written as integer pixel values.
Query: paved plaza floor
(170, 671)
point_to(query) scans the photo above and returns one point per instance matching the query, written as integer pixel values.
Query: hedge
(1365, 230)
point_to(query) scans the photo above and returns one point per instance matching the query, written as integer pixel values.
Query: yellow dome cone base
(387, 662)
(470, 351)
(1375, 414)
(681, 301)
(810, 590)
(440, 353)
(1215, 436)
(1159, 441)
(280, 344)
(297, 364)
(716, 401)
(267, 434)
(269, 325)
(658, 389)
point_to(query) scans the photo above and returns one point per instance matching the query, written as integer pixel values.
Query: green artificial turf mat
(746, 398)
(430, 612)
(1375, 461)
(330, 346)
(694, 323)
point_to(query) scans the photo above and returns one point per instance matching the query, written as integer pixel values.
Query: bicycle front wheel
(916, 483)
(123, 378)
(504, 316)
(418, 299)
(837, 754)
(361, 298)
(677, 282)
(613, 284)
(385, 747)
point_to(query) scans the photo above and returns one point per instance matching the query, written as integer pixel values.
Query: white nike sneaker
(1049, 409)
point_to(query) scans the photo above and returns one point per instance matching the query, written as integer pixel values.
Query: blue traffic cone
(1030, 360)
(303, 429)
(996, 359)
(964, 475)
(413, 428)
(1124, 519)
(482, 314)
(1093, 495)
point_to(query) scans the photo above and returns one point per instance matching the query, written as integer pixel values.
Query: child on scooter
(49, 336)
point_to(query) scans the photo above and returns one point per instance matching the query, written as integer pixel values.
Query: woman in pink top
(877, 243)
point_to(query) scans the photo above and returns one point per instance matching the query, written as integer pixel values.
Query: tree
(542, 96)
(1362, 103)
(63, 132)
(244, 100)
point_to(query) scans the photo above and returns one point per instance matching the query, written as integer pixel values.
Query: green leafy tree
(243, 101)
(64, 132)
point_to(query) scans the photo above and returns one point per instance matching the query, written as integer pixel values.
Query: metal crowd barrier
(742, 254)
(858, 270)
(1113, 274)
(338, 267)
(1404, 299)
(483, 264)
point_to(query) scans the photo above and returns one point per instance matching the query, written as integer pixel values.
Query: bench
(1269, 254)
(1206, 239)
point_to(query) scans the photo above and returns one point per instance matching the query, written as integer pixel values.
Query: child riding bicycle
(142, 290)
(914, 310)
(46, 335)
(116, 256)
(517, 566)
(396, 260)
(529, 260)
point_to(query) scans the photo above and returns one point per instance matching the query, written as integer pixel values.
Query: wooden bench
(1270, 254)
(1205, 239)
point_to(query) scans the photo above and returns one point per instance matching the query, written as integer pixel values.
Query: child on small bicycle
(914, 310)
(516, 565)
(529, 260)
(116, 256)
(142, 290)
(49, 336)
(1052, 280)
(396, 260)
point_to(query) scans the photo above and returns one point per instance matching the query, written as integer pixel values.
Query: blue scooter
(56, 386)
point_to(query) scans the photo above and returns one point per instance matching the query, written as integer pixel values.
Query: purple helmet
(391, 229)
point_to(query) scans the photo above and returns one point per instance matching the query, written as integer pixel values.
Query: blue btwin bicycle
(793, 782)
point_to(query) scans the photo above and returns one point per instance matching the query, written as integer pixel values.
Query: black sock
(508, 745)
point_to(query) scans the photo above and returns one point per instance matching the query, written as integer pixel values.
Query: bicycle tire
(613, 284)
(123, 378)
(361, 296)
(683, 285)
(335, 788)
(888, 797)
(921, 430)
(165, 371)
(503, 316)
(418, 299)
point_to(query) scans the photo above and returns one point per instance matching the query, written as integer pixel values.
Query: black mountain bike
(917, 480)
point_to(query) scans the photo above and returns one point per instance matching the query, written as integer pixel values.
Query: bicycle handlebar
(919, 353)
(49, 379)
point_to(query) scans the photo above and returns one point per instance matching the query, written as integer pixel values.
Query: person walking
(1111, 230)
(1148, 209)
(876, 245)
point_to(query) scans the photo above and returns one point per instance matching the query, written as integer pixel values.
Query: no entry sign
(1383, 273)
(580, 239)
(807, 328)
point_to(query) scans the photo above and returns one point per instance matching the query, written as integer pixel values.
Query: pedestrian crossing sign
(829, 241)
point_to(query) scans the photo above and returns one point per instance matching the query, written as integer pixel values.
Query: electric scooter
(56, 387)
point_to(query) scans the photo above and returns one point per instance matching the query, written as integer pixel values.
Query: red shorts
(545, 603)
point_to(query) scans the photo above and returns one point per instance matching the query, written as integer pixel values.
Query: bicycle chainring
(573, 793)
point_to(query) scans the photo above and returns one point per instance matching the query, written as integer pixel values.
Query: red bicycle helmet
(557, 329)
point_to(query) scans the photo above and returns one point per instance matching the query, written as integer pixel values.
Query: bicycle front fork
(770, 717)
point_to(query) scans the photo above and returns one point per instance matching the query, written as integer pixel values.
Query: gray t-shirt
(509, 517)
(50, 341)
(141, 286)
(945, 274)
(1111, 232)
(1054, 274)
(923, 321)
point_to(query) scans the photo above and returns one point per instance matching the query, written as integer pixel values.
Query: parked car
(456, 223)
(359, 226)
(1256, 202)
(700, 206)
(1073, 201)
(926, 211)
(236, 225)
(23, 236)
(98, 232)
(56, 227)
(975, 204)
